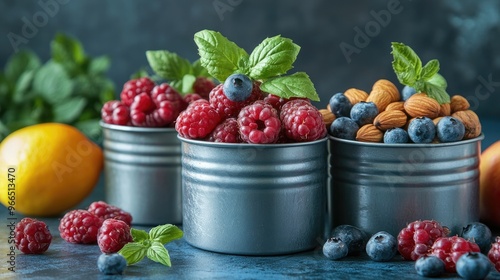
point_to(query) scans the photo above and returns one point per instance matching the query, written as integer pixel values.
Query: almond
(355, 95)
(470, 121)
(369, 133)
(459, 103)
(389, 87)
(398, 105)
(421, 105)
(390, 119)
(436, 120)
(444, 110)
(381, 98)
(328, 117)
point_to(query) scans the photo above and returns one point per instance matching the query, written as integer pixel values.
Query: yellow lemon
(46, 169)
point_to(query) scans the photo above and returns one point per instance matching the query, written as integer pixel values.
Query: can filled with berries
(397, 157)
(254, 155)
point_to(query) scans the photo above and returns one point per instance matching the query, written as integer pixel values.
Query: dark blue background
(462, 35)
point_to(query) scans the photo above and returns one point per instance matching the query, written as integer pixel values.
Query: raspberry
(80, 226)
(164, 92)
(115, 112)
(227, 131)
(197, 121)
(230, 109)
(135, 87)
(32, 236)
(105, 211)
(113, 235)
(302, 121)
(277, 101)
(494, 253)
(203, 86)
(144, 112)
(190, 97)
(259, 123)
(416, 239)
(449, 250)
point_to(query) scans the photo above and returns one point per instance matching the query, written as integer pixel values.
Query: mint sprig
(151, 245)
(409, 70)
(268, 62)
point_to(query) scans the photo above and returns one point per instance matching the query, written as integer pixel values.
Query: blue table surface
(73, 261)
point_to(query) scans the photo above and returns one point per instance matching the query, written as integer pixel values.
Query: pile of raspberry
(145, 104)
(262, 118)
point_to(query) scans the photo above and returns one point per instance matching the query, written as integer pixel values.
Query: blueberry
(237, 87)
(396, 135)
(479, 233)
(382, 246)
(352, 236)
(421, 130)
(407, 92)
(364, 112)
(334, 249)
(344, 128)
(473, 266)
(111, 263)
(450, 129)
(429, 266)
(340, 105)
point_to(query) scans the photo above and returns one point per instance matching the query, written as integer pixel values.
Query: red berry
(230, 109)
(143, 103)
(115, 112)
(113, 235)
(275, 101)
(302, 121)
(190, 97)
(164, 92)
(135, 87)
(494, 253)
(106, 211)
(32, 236)
(80, 226)
(203, 86)
(259, 123)
(227, 131)
(416, 239)
(449, 249)
(197, 121)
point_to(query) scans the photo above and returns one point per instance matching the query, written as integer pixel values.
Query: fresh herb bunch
(70, 88)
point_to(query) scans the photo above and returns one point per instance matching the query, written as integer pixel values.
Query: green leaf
(198, 70)
(165, 233)
(158, 253)
(438, 80)
(22, 88)
(220, 56)
(139, 235)
(273, 57)
(66, 49)
(52, 82)
(406, 64)
(68, 110)
(99, 65)
(296, 85)
(168, 65)
(435, 87)
(133, 252)
(19, 63)
(91, 128)
(187, 83)
(139, 74)
(429, 70)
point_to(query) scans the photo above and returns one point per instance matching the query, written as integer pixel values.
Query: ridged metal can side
(254, 199)
(377, 186)
(143, 173)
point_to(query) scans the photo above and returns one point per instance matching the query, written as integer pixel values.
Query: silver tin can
(253, 199)
(143, 173)
(377, 186)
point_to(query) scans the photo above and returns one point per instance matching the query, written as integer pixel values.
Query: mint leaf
(139, 74)
(99, 65)
(435, 87)
(21, 90)
(68, 110)
(158, 253)
(430, 69)
(273, 57)
(66, 49)
(133, 252)
(296, 85)
(220, 56)
(19, 63)
(438, 80)
(198, 70)
(165, 233)
(139, 235)
(52, 82)
(168, 65)
(406, 64)
(187, 83)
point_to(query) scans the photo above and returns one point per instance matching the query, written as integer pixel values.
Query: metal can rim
(136, 129)
(249, 145)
